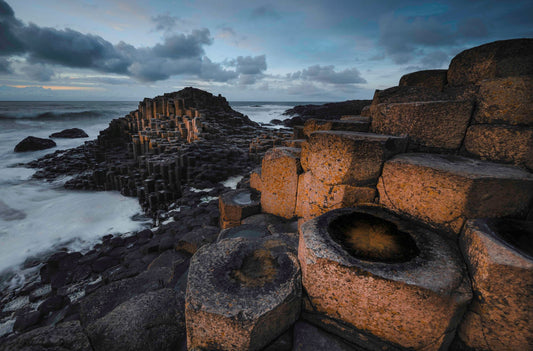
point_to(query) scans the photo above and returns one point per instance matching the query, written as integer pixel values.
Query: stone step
(313, 125)
(444, 190)
(237, 204)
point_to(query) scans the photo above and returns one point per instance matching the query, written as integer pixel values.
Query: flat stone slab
(433, 124)
(499, 254)
(433, 78)
(237, 204)
(241, 294)
(339, 157)
(314, 125)
(444, 190)
(279, 181)
(382, 275)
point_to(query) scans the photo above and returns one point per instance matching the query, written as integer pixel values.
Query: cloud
(165, 23)
(327, 74)
(181, 45)
(39, 72)
(215, 72)
(472, 28)
(251, 65)
(5, 66)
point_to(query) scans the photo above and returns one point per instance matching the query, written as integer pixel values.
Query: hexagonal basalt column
(279, 181)
(241, 294)
(338, 157)
(445, 190)
(236, 205)
(377, 275)
(499, 254)
(314, 125)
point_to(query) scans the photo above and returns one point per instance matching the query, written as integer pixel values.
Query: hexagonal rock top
(241, 294)
(500, 256)
(339, 157)
(314, 125)
(237, 204)
(379, 274)
(445, 190)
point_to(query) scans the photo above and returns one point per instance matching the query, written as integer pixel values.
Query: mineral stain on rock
(372, 239)
(257, 269)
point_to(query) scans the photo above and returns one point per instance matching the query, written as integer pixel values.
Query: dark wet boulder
(32, 143)
(70, 133)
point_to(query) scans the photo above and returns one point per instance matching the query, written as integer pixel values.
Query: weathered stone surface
(150, 321)
(255, 179)
(499, 254)
(501, 143)
(401, 94)
(32, 143)
(237, 204)
(67, 336)
(197, 238)
(504, 58)
(337, 157)
(309, 337)
(385, 276)
(279, 178)
(433, 79)
(297, 143)
(316, 198)
(445, 190)
(244, 231)
(70, 133)
(505, 100)
(314, 125)
(435, 124)
(241, 294)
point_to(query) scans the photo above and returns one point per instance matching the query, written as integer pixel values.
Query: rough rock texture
(444, 191)
(236, 205)
(505, 58)
(501, 143)
(255, 179)
(316, 198)
(244, 231)
(434, 124)
(500, 258)
(328, 111)
(506, 100)
(32, 143)
(308, 337)
(338, 157)
(415, 303)
(149, 321)
(433, 79)
(241, 294)
(279, 179)
(314, 125)
(69, 133)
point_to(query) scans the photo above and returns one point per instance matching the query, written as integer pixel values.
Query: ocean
(39, 217)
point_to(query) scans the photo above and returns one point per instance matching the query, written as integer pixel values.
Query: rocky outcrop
(327, 111)
(70, 133)
(32, 143)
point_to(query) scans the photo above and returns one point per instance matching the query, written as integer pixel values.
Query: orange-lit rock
(434, 79)
(338, 157)
(374, 274)
(241, 294)
(445, 190)
(434, 124)
(314, 125)
(255, 179)
(506, 100)
(499, 254)
(501, 143)
(236, 205)
(316, 198)
(297, 143)
(279, 179)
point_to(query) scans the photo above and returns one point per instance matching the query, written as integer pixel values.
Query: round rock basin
(238, 204)
(244, 231)
(371, 275)
(499, 254)
(241, 294)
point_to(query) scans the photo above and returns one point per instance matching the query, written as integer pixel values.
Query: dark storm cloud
(327, 74)
(5, 66)
(179, 54)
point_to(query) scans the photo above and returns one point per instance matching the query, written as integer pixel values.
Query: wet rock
(27, 320)
(70, 133)
(53, 303)
(32, 143)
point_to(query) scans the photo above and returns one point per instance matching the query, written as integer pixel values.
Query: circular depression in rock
(257, 269)
(518, 234)
(242, 198)
(370, 238)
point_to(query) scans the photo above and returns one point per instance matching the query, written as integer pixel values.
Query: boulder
(501, 143)
(150, 321)
(444, 190)
(378, 274)
(338, 157)
(32, 143)
(70, 133)
(279, 181)
(429, 125)
(499, 59)
(433, 79)
(242, 294)
(499, 254)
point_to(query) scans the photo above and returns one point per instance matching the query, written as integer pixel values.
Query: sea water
(38, 217)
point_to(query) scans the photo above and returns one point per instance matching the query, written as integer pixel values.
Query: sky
(289, 50)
